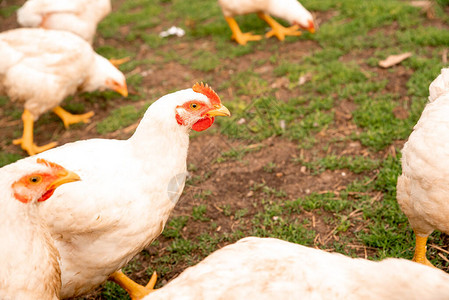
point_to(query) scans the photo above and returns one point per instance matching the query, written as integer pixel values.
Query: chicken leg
(237, 35)
(68, 118)
(135, 290)
(420, 250)
(26, 141)
(277, 29)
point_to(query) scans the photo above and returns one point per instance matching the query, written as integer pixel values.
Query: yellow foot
(280, 31)
(135, 290)
(69, 119)
(243, 38)
(424, 261)
(32, 148)
(118, 61)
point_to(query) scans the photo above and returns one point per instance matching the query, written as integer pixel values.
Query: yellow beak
(123, 90)
(64, 177)
(219, 111)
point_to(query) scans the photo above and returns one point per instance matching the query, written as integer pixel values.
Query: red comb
(207, 91)
(48, 163)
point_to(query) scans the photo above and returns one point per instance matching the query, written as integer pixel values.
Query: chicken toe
(238, 35)
(135, 290)
(69, 119)
(277, 29)
(26, 141)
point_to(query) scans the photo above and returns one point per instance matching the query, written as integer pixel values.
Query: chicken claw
(26, 141)
(135, 290)
(277, 29)
(238, 35)
(32, 148)
(69, 119)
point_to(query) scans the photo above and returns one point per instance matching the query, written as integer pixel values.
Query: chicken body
(422, 189)
(289, 10)
(29, 261)
(128, 190)
(267, 268)
(80, 17)
(42, 67)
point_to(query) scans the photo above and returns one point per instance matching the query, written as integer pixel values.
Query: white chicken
(423, 187)
(29, 261)
(42, 67)
(267, 268)
(80, 17)
(289, 10)
(128, 190)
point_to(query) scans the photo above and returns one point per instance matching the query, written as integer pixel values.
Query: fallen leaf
(394, 59)
(426, 6)
(424, 3)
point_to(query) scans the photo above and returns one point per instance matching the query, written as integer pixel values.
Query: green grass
(120, 118)
(7, 158)
(341, 119)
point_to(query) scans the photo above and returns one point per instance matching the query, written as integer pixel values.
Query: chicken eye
(194, 106)
(35, 179)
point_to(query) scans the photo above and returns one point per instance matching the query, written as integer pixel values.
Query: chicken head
(40, 185)
(200, 115)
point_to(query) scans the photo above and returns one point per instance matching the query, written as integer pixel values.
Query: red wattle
(203, 124)
(46, 195)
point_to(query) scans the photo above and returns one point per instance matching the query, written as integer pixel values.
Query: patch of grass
(7, 11)
(7, 158)
(3, 100)
(355, 19)
(239, 214)
(206, 61)
(270, 167)
(174, 227)
(113, 291)
(425, 71)
(380, 125)
(120, 118)
(198, 213)
(138, 15)
(356, 164)
(424, 36)
(235, 154)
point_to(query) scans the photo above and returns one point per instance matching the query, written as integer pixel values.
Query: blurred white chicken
(42, 67)
(267, 268)
(80, 17)
(128, 190)
(423, 187)
(289, 10)
(29, 261)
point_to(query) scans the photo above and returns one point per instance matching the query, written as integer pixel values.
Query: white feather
(267, 268)
(423, 187)
(77, 16)
(289, 10)
(125, 196)
(29, 267)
